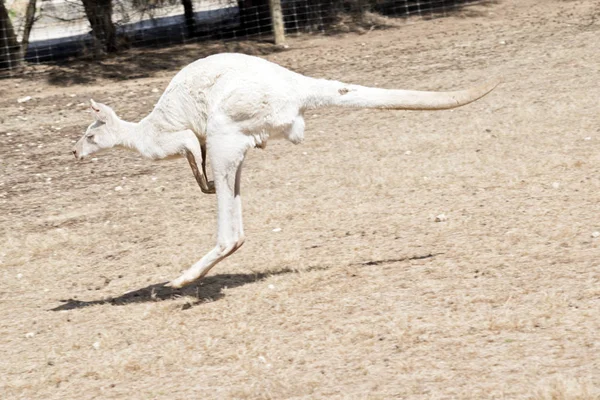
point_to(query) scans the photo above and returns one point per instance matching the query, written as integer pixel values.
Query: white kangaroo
(229, 103)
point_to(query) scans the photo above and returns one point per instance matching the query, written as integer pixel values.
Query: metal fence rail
(42, 31)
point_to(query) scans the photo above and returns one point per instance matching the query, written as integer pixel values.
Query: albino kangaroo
(229, 103)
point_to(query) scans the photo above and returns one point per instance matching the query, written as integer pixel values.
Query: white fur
(231, 103)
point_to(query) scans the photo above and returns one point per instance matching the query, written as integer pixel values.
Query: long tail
(323, 93)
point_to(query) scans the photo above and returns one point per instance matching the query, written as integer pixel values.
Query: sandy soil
(362, 294)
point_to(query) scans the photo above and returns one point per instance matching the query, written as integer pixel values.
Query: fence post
(277, 18)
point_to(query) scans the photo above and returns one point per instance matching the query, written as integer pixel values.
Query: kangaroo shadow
(209, 289)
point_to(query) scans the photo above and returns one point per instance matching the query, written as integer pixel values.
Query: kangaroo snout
(77, 156)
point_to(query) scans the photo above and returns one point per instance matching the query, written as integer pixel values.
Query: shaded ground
(361, 294)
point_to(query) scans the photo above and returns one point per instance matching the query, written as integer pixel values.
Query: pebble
(441, 218)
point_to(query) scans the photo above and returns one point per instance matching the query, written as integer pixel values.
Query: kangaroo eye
(90, 138)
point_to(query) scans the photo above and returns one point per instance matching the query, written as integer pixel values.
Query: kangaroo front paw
(211, 187)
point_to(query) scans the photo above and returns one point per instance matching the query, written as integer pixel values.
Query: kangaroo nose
(74, 153)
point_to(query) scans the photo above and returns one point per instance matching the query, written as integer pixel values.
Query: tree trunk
(29, 20)
(10, 51)
(277, 21)
(99, 14)
(190, 22)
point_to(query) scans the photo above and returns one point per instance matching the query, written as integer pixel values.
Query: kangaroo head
(102, 134)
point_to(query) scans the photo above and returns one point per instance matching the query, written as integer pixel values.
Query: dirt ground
(361, 293)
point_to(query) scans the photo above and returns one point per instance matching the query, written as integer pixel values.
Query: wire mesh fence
(42, 31)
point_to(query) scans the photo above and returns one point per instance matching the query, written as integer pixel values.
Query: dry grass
(567, 389)
(361, 294)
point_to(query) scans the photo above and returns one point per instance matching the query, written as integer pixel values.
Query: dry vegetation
(361, 294)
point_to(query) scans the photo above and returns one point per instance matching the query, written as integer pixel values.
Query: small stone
(29, 335)
(595, 234)
(271, 286)
(96, 345)
(19, 276)
(155, 90)
(408, 152)
(23, 99)
(587, 138)
(118, 188)
(556, 185)
(277, 230)
(441, 218)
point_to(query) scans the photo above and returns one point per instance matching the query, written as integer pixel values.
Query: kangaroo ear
(102, 113)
